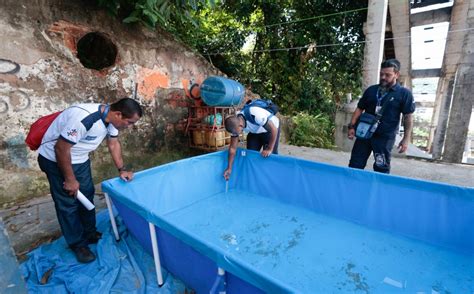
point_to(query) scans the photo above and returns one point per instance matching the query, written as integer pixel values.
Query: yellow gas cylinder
(215, 138)
(199, 137)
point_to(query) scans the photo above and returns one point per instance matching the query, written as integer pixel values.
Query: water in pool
(312, 252)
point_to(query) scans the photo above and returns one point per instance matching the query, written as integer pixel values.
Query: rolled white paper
(87, 204)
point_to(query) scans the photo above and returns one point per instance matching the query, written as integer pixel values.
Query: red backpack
(38, 129)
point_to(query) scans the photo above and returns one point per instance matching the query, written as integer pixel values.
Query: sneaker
(94, 237)
(84, 254)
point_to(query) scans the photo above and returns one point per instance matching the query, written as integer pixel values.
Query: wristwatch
(123, 168)
(350, 126)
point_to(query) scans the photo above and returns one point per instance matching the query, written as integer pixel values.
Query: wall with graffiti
(45, 67)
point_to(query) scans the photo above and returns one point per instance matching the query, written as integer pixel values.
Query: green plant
(312, 130)
(166, 13)
(289, 60)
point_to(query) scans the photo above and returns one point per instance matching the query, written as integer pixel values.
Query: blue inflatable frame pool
(286, 225)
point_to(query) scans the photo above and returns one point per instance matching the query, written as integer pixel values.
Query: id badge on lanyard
(379, 102)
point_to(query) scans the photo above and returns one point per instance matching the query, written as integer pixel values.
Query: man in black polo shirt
(398, 100)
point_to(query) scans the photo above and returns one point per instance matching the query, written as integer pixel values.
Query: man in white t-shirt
(263, 130)
(64, 157)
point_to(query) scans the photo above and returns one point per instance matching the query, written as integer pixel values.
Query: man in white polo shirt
(263, 129)
(64, 157)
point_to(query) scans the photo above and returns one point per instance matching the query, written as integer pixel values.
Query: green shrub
(312, 130)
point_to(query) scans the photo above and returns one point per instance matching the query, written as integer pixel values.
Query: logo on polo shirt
(90, 138)
(72, 133)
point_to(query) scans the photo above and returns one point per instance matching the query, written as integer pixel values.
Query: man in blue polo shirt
(394, 100)
(64, 157)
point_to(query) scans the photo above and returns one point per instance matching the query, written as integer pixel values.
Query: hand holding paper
(87, 204)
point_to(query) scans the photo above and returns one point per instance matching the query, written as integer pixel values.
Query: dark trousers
(76, 222)
(257, 141)
(381, 147)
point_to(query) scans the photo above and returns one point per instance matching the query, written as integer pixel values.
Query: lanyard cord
(380, 97)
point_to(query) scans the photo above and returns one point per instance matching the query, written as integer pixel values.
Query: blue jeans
(257, 141)
(382, 148)
(76, 222)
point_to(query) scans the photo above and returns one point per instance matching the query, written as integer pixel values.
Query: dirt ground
(454, 174)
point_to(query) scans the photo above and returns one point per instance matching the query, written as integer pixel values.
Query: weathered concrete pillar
(435, 115)
(453, 54)
(461, 106)
(460, 114)
(400, 20)
(440, 115)
(374, 36)
(343, 118)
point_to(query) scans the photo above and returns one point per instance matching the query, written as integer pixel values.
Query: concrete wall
(40, 74)
(343, 118)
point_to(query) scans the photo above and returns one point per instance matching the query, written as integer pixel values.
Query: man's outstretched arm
(115, 150)
(230, 162)
(270, 127)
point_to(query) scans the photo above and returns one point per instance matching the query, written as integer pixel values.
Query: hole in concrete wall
(96, 51)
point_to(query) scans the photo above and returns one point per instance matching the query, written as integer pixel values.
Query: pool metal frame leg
(156, 254)
(112, 218)
(221, 273)
(219, 285)
(154, 241)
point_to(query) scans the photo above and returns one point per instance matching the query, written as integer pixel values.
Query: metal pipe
(135, 90)
(156, 254)
(219, 286)
(112, 218)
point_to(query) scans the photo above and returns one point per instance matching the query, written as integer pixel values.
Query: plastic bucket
(219, 91)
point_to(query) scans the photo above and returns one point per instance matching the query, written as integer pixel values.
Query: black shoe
(94, 237)
(84, 254)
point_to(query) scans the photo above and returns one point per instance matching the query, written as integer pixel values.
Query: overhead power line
(316, 17)
(299, 20)
(328, 45)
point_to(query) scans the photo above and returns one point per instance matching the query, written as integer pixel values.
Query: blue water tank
(219, 91)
